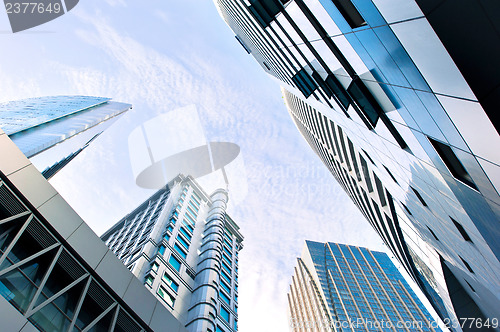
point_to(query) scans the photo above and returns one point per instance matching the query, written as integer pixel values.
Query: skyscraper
(396, 99)
(338, 287)
(184, 247)
(38, 124)
(55, 273)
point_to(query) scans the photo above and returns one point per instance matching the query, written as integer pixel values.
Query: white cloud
(291, 197)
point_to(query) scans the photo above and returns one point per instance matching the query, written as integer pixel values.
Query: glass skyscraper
(338, 287)
(38, 124)
(396, 98)
(184, 247)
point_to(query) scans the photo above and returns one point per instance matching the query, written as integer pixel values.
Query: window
(370, 109)
(174, 262)
(366, 173)
(264, 11)
(350, 13)
(224, 298)
(228, 238)
(170, 282)
(193, 206)
(390, 174)
(226, 259)
(190, 218)
(452, 163)
(182, 242)
(380, 190)
(166, 296)
(227, 252)
(466, 264)
(185, 233)
(418, 196)
(226, 287)
(406, 208)
(180, 251)
(304, 82)
(224, 314)
(161, 250)
(430, 230)
(338, 90)
(155, 267)
(149, 280)
(461, 230)
(225, 267)
(226, 277)
(189, 226)
(472, 288)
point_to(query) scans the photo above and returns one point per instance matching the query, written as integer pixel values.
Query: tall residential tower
(397, 99)
(184, 247)
(338, 287)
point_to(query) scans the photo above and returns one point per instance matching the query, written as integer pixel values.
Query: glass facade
(173, 242)
(36, 124)
(46, 282)
(349, 288)
(382, 94)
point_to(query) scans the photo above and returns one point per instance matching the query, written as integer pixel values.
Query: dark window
(380, 190)
(369, 158)
(366, 173)
(430, 230)
(418, 196)
(338, 90)
(350, 13)
(452, 162)
(238, 38)
(264, 11)
(466, 265)
(322, 84)
(390, 174)
(304, 82)
(369, 107)
(265, 65)
(472, 288)
(461, 230)
(407, 210)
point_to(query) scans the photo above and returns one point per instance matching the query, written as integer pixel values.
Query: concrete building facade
(184, 247)
(55, 273)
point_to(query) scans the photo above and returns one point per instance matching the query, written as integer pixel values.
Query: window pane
(180, 251)
(224, 314)
(174, 262)
(170, 282)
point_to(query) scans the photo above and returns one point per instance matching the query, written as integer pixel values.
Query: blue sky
(161, 55)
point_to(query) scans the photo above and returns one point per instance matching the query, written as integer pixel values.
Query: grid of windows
(357, 284)
(178, 241)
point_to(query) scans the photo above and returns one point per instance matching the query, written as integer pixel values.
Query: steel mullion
(44, 280)
(19, 215)
(16, 238)
(79, 305)
(62, 291)
(26, 260)
(95, 321)
(115, 317)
